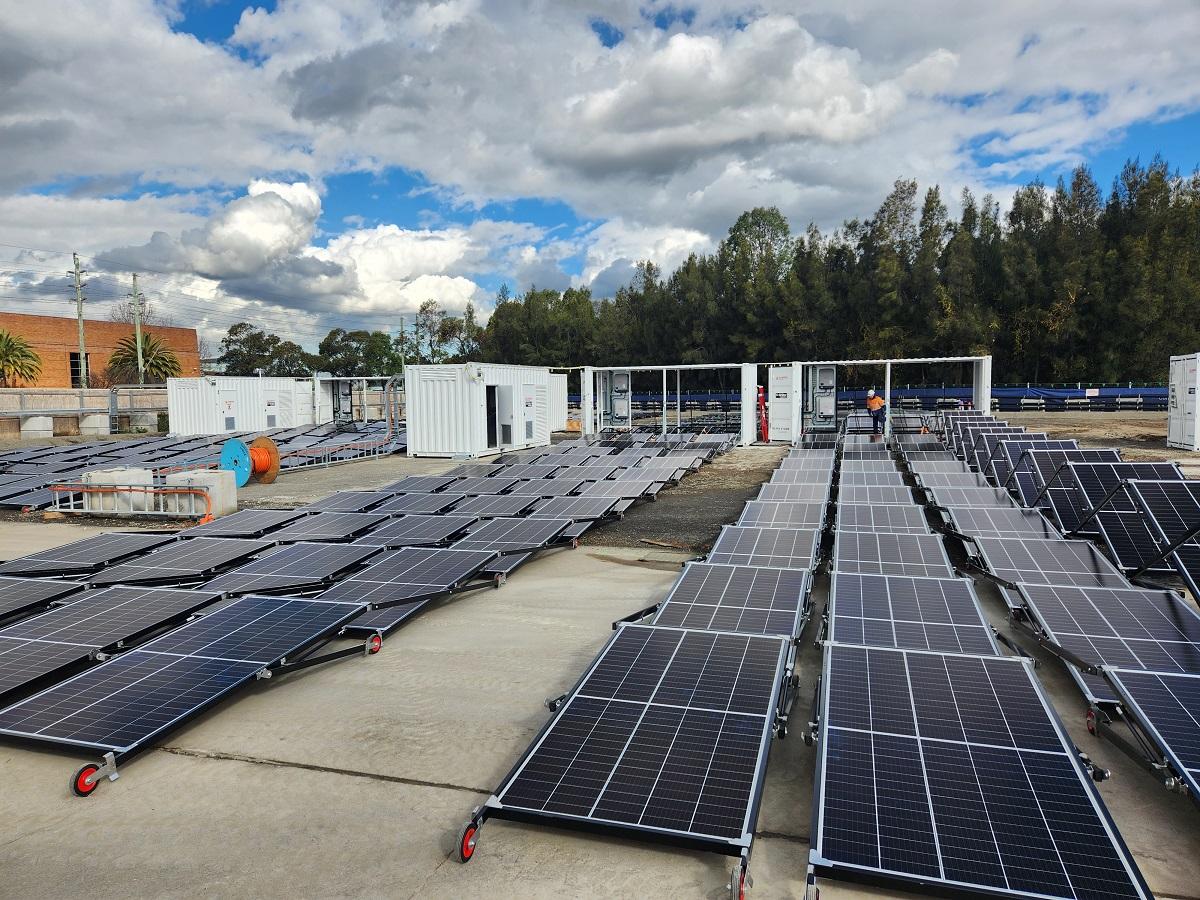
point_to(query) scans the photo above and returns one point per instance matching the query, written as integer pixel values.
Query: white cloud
(664, 139)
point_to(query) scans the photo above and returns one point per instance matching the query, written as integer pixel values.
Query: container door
(506, 413)
(1190, 438)
(493, 419)
(780, 383)
(227, 399)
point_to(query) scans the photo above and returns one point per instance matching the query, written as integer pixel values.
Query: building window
(78, 375)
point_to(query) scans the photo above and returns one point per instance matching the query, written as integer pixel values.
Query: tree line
(1067, 285)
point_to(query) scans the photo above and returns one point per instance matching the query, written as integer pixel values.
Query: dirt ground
(686, 516)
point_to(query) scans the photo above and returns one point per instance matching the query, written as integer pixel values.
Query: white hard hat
(871, 393)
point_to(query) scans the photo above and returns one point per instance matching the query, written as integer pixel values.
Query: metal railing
(169, 501)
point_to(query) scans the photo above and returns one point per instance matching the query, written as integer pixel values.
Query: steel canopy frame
(591, 413)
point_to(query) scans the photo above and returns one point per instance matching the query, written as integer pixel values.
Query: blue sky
(316, 159)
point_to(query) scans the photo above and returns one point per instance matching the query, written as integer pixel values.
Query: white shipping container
(476, 409)
(558, 402)
(223, 404)
(1183, 425)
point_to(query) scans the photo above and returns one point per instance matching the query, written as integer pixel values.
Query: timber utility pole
(79, 273)
(136, 297)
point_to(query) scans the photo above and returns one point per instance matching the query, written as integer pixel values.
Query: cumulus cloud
(144, 133)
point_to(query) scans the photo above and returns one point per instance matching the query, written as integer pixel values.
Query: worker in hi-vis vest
(875, 406)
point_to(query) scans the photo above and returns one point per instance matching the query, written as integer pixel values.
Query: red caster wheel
(739, 881)
(374, 645)
(80, 785)
(466, 842)
(1091, 721)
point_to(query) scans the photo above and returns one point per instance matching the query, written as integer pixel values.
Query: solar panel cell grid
(953, 770)
(431, 504)
(574, 508)
(416, 531)
(349, 501)
(918, 555)
(1173, 510)
(791, 548)
(785, 514)
(327, 526)
(1168, 706)
(941, 614)
(410, 573)
(983, 521)
(180, 561)
(743, 599)
(636, 744)
(1026, 561)
(801, 492)
(20, 596)
(291, 568)
(894, 519)
(489, 507)
(86, 555)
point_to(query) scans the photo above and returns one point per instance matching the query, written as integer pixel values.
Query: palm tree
(19, 362)
(159, 361)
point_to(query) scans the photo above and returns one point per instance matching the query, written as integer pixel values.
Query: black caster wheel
(80, 785)
(466, 842)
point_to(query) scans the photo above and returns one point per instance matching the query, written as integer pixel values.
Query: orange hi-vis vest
(875, 403)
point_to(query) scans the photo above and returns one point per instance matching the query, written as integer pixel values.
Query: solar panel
(588, 473)
(1027, 561)
(137, 696)
(1128, 628)
(291, 568)
(666, 734)
(803, 463)
(740, 599)
(1012, 469)
(499, 536)
(788, 548)
(477, 486)
(941, 614)
(247, 523)
(574, 508)
(795, 492)
(180, 561)
(418, 484)
(416, 531)
(20, 596)
(873, 479)
(1121, 521)
(865, 451)
(983, 442)
(410, 576)
(1167, 707)
(946, 497)
(912, 456)
(858, 493)
(87, 555)
(894, 519)
(550, 487)
(111, 616)
(530, 470)
(1049, 467)
(784, 514)
(919, 555)
(1173, 510)
(25, 663)
(800, 476)
(431, 504)
(627, 489)
(952, 480)
(938, 467)
(349, 501)
(487, 506)
(994, 521)
(953, 772)
(653, 470)
(475, 470)
(868, 465)
(328, 526)
(987, 450)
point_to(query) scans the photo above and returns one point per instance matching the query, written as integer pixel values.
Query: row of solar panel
(125, 703)
(26, 474)
(1134, 651)
(938, 757)
(666, 733)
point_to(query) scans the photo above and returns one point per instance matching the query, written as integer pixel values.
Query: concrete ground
(353, 779)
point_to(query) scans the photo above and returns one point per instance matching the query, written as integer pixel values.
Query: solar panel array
(1126, 646)
(667, 732)
(941, 763)
(376, 556)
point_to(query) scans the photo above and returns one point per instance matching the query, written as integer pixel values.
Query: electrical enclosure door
(781, 382)
(229, 409)
(620, 399)
(505, 409)
(821, 406)
(493, 428)
(1181, 404)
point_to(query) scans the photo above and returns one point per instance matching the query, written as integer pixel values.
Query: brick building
(56, 341)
